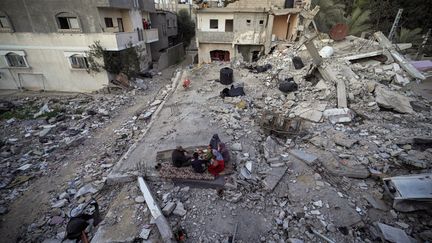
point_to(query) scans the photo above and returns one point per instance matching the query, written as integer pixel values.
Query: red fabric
(216, 169)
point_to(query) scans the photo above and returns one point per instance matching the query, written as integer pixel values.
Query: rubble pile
(325, 179)
(42, 133)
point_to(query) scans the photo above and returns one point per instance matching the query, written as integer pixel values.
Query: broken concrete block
(60, 203)
(392, 100)
(85, 189)
(273, 177)
(145, 233)
(376, 203)
(308, 158)
(179, 210)
(169, 208)
(392, 234)
(342, 140)
(321, 85)
(401, 80)
(339, 115)
(237, 147)
(311, 115)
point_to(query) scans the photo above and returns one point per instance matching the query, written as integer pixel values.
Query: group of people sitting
(212, 159)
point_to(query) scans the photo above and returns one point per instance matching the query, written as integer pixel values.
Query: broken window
(214, 23)
(78, 62)
(15, 60)
(261, 22)
(4, 22)
(229, 25)
(248, 21)
(109, 22)
(67, 21)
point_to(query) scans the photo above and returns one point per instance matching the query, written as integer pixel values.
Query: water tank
(226, 76)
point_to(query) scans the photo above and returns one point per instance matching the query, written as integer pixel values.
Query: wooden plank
(408, 67)
(161, 222)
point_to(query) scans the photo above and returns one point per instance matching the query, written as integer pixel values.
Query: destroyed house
(247, 28)
(43, 43)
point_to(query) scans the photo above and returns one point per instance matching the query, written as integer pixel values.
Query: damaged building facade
(43, 44)
(247, 28)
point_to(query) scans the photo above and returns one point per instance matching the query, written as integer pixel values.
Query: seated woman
(179, 157)
(214, 141)
(199, 165)
(225, 152)
(217, 163)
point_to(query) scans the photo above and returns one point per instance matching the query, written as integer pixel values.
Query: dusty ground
(28, 215)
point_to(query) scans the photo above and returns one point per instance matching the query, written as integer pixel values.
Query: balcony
(151, 35)
(147, 5)
(215, 37)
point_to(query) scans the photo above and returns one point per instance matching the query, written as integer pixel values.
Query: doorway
(219, 55)
(120, 24)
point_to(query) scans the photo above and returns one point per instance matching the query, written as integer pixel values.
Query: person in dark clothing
(199, 165)
(214, 141)
(179, 157)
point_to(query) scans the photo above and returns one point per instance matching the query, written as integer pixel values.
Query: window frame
(4, 19)
(78, 59)
(108, 20)
(261, 22)
(68, 16)
(14, 54)
(210, 24)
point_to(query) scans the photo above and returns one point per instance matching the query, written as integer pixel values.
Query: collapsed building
(249, 28)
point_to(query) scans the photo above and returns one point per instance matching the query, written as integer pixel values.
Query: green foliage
(126, 61)
(330, 14)
(409, 36)
(358, 22)
(186, 27)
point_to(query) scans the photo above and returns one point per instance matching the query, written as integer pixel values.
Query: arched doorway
(219, 55)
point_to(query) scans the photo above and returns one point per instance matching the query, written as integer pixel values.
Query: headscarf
(224, 151)
(214, 141)
(217, 155)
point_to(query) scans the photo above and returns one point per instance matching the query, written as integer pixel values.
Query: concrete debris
(339, 115)
(85, 190)
(392, 234)
(179, 210)
(169, 208)
(273, 177)
(308, 158)
(145, 233)
(392, 100)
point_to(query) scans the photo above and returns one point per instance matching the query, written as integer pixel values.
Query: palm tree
(409, 36)
(358, 22)
(330, 14)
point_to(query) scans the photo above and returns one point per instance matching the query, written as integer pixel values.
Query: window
(261, 22)
(4, 22)
(67, 21)
(15, 60)
(248, 21)
(214, 24)
(229, 25)
(109, 22)
(120, 24)
(78, 62)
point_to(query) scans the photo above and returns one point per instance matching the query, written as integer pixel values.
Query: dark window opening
(255, 56)
(229, 25)
(109, 22)
(218, 55)
(66, 23)
(248, 21)
(15, 60)
(214, 23)
(261, 22)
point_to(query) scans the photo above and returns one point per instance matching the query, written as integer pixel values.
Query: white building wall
(204, 21)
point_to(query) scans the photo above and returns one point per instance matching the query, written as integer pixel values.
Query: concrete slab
(179, 122)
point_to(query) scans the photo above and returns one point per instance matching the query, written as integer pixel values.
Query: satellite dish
(339, 32)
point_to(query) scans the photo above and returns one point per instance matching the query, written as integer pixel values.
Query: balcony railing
(215, 37)
(151, 35)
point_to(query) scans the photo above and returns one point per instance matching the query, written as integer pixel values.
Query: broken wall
(285, 27)
(247, 51)
(171, 56)
(253, 4)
